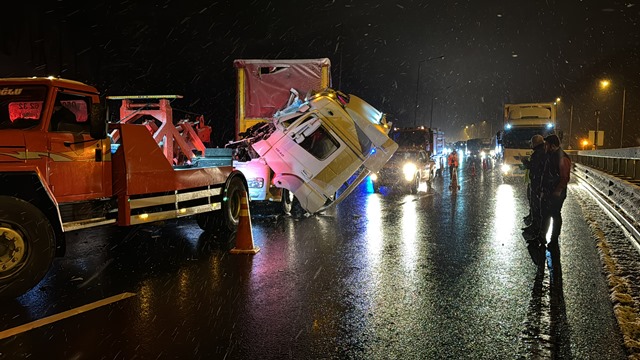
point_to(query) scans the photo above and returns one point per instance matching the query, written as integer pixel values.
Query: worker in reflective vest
(453, 163)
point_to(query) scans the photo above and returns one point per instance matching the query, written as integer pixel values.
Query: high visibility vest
(453, 160)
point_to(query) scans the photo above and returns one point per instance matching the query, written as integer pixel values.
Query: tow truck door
(76, 160)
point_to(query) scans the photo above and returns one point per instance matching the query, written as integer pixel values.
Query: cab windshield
(410, 138)
(402, 156)
(520, 138)
(21, 106)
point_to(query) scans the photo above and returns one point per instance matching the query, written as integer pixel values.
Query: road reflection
(504, 224)
(373, 231)
(409, 228)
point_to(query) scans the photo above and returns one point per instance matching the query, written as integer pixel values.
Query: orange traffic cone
(244, 237)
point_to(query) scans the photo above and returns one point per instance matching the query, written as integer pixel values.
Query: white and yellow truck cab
(289, 145)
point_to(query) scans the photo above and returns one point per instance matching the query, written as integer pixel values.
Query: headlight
(492, 153)
(255, 182)
(506, 168)
(409, 170)
(483, 154)
(373, 177)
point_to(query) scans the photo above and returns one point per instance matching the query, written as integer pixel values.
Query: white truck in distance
(521, 122)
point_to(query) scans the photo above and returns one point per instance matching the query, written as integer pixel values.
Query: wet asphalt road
(383, 276)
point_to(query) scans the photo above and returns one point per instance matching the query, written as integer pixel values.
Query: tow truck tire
(27, 246)
(225, 220)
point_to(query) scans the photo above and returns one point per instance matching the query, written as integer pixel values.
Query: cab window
(320, 144)
(70, 114)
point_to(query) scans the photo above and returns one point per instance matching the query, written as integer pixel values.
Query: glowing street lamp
(584, 143)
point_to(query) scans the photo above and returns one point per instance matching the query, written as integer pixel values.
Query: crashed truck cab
(324, 143)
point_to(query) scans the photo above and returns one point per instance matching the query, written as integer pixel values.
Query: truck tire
(27, 246)
(287, 202)
(226, 220)
(415, 183)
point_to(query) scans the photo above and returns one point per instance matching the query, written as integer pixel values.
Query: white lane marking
(63, 315)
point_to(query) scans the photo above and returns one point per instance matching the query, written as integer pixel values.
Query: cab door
(323, 157)
(75, 160)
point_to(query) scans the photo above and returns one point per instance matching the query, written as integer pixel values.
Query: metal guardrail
(621, 163)
(614, 174)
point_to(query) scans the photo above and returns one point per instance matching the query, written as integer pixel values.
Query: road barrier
(615, 175)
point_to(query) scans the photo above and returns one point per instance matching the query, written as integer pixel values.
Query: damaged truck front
(314, 145)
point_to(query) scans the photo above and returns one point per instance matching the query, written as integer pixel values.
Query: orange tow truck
(65, 167)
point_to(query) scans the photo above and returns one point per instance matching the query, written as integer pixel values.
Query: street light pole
(431, 117)
(415, 115)
(595, 136)
(570, 123)
(624, 95)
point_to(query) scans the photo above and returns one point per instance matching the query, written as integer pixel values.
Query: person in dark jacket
(555, 178)
(535, 165)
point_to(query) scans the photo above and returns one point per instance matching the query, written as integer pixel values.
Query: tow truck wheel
(27, 246)
(287, 201)
(225, 220)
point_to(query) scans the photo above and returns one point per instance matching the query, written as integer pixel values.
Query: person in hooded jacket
(535, 165)
(555, 177)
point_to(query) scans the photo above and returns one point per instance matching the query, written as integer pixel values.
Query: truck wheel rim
(234, 206)
(12, 249)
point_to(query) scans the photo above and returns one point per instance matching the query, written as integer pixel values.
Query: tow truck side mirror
(98, 122)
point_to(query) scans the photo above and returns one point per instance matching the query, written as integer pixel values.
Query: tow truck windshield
(21, 106)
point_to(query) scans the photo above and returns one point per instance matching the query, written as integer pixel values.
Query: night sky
(495, 52)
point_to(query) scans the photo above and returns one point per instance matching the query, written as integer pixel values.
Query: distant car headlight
(492, 153)
(483, 154)
(505, 168)
(409, 170)
(373, 177)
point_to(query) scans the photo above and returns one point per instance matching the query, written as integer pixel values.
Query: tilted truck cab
(297, 136)
(60, 172)
(319, 145)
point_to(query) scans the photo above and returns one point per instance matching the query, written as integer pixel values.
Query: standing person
(555, 177)
(535, 167)
(452, 160)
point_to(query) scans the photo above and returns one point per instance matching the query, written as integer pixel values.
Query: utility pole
(415, 115)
